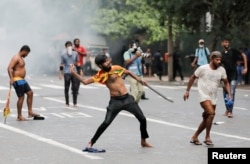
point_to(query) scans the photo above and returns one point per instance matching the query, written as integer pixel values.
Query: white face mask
(201, 45)
(69, 50)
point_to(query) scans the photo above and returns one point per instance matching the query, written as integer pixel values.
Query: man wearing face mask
(68, 58)
(201, 55)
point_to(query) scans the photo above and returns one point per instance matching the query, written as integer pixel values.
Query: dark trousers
(177, 68)
(117, 104)
(68, 78)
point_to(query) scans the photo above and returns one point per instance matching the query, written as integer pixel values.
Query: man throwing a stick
(120, 99)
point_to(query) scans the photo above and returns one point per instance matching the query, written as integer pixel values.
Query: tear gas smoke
(45, 26)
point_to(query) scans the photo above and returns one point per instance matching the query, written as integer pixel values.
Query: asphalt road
(60, 138)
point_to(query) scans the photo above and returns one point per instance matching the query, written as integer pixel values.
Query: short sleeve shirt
(229, 62)
(83, 50)
(202, 54)
(209, 81)
(136, 65)
(68, 60)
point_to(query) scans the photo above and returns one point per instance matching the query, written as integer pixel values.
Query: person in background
(247, 75)
(201, 54)
(105, 52)
(17, 73)
(239, 68)
(158, 62)
(148, 62)
(82, 52)
(230, 56)
(209, 77)
(68, 58)
(177, 64)
(132, 58)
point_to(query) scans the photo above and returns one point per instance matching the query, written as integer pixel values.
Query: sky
(45, 26)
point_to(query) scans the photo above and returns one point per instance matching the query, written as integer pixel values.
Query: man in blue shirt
(132, 58)
(68, 58)
(201, 55)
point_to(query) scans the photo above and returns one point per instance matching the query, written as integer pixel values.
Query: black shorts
(21, 87)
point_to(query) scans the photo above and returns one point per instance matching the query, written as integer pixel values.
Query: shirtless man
(17, 72)
(119, 98)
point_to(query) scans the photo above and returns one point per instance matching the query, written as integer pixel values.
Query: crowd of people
(210, 69)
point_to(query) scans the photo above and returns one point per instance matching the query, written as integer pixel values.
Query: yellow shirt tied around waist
(102, 77)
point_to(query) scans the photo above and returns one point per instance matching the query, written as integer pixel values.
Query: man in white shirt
(209, 78)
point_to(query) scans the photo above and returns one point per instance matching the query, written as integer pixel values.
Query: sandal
(208, 142)
(196, 142)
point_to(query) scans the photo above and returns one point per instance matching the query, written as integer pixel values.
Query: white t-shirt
(209, 81)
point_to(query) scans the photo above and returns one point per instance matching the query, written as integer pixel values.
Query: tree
(128, 18)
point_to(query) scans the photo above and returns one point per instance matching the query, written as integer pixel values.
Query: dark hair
(76, 40)
(100, 59)
(225, 39)
(68, 42)
(25, 48)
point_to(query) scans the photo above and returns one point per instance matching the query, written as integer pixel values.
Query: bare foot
(230, 115)
(226, 113)
(145, 144)
(33, 115)
(90, 145)
(21, 118)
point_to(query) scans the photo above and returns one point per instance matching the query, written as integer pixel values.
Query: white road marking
(53, 86)
(4, 88)
(62, 87)
(49, 141)
(88, 87)
(240, 108)
(58, 115)
(35, 87)
(154, 120)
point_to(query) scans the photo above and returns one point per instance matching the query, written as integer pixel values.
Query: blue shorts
(21, 87)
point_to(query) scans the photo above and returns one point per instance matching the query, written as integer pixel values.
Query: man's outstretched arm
(76, 75)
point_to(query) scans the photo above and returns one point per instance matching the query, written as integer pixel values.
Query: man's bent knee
(207, 114)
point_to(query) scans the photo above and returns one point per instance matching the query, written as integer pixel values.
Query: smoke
(45, 26)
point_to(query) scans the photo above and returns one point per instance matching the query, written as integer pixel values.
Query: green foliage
(134, 17)
(149, 19)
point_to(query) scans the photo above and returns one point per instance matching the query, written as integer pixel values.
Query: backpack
(205, 48)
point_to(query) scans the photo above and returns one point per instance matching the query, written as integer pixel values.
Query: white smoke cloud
(45, 26)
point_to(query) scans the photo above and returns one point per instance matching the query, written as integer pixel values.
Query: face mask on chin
(69, 50)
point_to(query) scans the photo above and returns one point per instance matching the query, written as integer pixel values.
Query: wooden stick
(166, 98)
